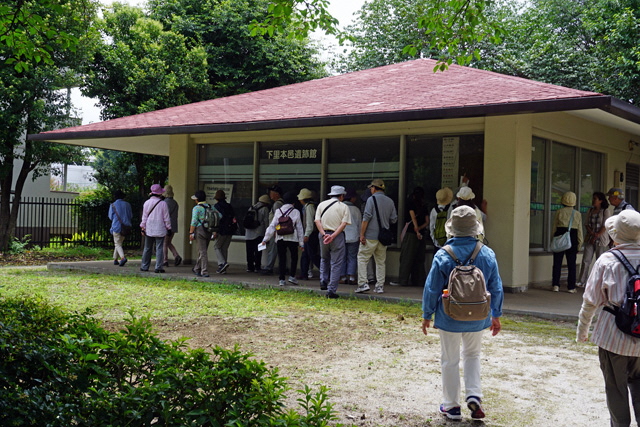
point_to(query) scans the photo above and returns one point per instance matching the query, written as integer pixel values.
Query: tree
(236, 61)
(137, 71)
(380, 33)
(30, 30)
(143, 67)
(451, 27)
(584, 44)
(31, 99)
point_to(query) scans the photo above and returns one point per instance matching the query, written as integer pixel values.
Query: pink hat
(157, 190)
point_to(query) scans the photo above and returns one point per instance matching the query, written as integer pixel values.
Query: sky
(343, 10)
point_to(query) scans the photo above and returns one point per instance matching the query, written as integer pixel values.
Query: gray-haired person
(332, 216)
(616, 199)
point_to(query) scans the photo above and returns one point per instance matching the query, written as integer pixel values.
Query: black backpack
(250, 221)
(627, 316)
(228, 223)
(211, 221)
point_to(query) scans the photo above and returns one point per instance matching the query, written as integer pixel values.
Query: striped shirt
(606, 285)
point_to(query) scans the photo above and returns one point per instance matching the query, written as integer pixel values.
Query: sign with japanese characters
(450, 156)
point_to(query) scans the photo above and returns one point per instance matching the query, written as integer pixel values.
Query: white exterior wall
(507, 176)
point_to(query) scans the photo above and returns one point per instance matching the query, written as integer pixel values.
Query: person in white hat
(332, 216)
(618, 352)
(462, 227)
(155, 224)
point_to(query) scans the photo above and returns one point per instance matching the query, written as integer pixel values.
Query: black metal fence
(50, 222)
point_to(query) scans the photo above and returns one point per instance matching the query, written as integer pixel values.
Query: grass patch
(79, 252)
(111, 297)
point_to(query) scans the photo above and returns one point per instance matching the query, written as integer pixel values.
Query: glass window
(435, 162)
(354, 163)
(590, 179)
(550, 179)
(228, 167)
(292, 165)
(563, 173)
(537, 209)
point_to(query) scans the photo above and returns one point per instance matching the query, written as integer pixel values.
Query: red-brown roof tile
(409, 89)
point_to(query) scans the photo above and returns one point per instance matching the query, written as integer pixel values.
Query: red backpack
(285, 223)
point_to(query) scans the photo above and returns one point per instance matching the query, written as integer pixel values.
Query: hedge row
(61, 369)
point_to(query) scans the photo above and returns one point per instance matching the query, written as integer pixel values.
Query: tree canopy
(582, 44)
(181, 51)
(30, 94)
(452, 27)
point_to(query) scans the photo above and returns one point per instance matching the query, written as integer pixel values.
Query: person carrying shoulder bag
(565, 218)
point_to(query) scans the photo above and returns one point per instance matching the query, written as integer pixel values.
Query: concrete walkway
(537, 301)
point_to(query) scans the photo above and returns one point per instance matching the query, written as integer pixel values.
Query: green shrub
(17, 246)
(59, 369)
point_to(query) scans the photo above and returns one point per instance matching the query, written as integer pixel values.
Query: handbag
(562, 242)
(385, 236)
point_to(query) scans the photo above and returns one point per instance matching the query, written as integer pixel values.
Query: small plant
(17, 246)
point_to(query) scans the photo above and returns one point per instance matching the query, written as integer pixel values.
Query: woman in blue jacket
(462, 228)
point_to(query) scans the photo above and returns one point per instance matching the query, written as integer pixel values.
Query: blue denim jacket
(439, 277)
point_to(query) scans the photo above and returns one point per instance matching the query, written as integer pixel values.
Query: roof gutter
(603, 102)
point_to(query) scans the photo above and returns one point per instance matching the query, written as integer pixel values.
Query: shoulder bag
(385, 236)
(563, 242)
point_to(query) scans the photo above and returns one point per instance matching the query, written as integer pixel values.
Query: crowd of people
(338, 240)
(348, 245)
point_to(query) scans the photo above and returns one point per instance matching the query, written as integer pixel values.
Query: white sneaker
(293, 280)
(580, 285)
(556, 289)
(378, 290)
(572, 291)
(282, 283)
(310, 274)
(362, 288)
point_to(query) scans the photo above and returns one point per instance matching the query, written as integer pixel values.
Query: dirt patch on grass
(384, 372)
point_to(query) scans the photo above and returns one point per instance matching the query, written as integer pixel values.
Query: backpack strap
(475, 253)
(623, 259)
(452, 254)
(613, 309)
(285, 214)
(471, 259)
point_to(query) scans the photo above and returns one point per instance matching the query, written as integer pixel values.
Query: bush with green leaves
(61, 369)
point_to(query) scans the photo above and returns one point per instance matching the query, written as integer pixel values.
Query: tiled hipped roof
(406, 91)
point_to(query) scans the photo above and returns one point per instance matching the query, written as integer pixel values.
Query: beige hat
(463, 222)
(304, 194)
(168, 191)
(624, 227)
(444, 196)
(465, 193)
(376, 183)
(265, 199)
(568, 199)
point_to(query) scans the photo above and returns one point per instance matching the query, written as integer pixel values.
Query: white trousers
(450, 363)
